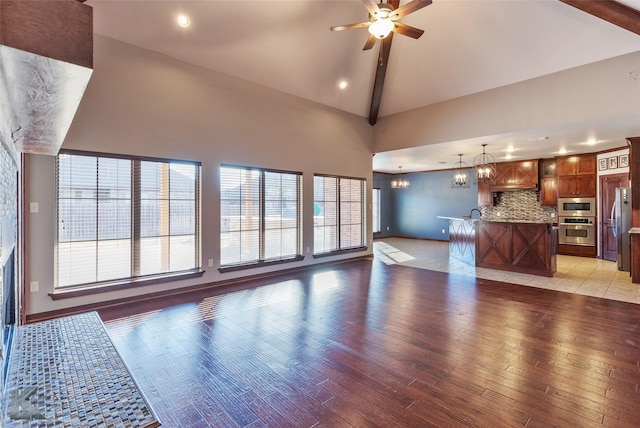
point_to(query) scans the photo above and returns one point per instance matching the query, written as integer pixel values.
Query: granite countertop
(463, 217)
(634, 230)
(467, 218)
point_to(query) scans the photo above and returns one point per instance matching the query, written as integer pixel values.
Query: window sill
(103, 287)
(258, 264)
(338, 252)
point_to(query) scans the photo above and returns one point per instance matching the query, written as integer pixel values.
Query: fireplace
(8, 312)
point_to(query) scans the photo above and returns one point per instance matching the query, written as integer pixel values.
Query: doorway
(608, 184)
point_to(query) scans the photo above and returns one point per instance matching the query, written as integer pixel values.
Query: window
(375, 210)
(120, 218)
(259, 216)
(338, 220)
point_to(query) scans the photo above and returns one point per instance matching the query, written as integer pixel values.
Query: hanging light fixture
(459, 178)
(382, 24)
(400, 183)
(485, 166)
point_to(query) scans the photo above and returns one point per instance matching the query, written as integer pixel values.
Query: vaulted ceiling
(468, 46)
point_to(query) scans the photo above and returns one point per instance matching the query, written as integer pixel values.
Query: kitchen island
(462, 238)
(514, 246)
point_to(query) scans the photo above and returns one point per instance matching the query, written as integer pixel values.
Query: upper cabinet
(577, 176)
(521, 175)
(576, 165)
(548, 182)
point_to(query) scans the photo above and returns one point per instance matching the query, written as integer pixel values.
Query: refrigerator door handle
(614, 226)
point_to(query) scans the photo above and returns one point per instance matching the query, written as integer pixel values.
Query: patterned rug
(66, 372)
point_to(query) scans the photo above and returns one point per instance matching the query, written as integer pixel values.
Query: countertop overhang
(467, 218)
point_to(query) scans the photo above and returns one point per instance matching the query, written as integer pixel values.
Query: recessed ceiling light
(508, 156)
(343, 84)
(183, 21)
(591, 142)
(562, 151)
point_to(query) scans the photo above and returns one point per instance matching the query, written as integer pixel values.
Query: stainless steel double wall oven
(576, 221)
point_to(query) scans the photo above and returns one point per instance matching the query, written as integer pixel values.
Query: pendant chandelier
(400, 183)
(459, 176)
(485, 166)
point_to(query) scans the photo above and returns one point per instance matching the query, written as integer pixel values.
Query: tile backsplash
(522, 205)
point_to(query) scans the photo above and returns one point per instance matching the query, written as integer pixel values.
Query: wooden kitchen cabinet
(576, 165)
(516, 175)
(548, 183)
(578, 186)
(485, 195)
(577, 176)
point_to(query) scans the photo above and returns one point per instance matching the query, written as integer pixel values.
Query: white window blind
(120, 218)
(375, 210)
(259, 215)
(338, 213)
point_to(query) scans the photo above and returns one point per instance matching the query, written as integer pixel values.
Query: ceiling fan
(383, 19)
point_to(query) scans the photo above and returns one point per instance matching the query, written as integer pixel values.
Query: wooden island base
(517, 247)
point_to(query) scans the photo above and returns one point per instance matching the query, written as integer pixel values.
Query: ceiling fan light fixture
(381, 28)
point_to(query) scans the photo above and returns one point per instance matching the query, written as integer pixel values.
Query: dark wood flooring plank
(365, 344)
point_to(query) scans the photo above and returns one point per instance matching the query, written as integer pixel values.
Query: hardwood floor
(369, 345)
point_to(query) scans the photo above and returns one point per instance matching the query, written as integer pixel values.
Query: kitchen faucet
(474, 209)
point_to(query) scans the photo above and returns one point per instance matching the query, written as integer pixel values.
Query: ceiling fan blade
(409, 8)
(408, 30)
(348, 26)
(370, 42)
(371, 6)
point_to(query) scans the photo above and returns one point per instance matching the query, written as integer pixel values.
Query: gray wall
(413, 212)
(142, 103)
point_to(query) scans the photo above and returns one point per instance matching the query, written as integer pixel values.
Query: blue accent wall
(413, 212)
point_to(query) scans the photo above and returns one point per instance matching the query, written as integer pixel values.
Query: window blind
(338, 213)
(375, 210)
(259, 215)
(119, 218)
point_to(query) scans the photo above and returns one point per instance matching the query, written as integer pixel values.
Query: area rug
(66, 372)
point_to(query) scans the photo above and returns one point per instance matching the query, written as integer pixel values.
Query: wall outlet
(387, 227)
(443, 231)
(34, 286)
(34, 207)
(553, 215)
(210, 262)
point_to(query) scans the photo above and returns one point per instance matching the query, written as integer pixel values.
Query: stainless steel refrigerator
(621, 223)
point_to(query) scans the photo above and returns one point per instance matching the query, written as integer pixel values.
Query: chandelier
(400, 183)
(485, 166)
(459, 177)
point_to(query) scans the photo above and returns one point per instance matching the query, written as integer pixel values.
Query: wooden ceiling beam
(381, 71)
(611, 11)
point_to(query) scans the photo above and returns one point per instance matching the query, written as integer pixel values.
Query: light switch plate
(34, 286)
(34, 207)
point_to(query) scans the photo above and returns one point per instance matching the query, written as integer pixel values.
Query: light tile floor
(579, 275)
